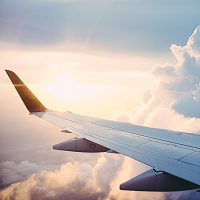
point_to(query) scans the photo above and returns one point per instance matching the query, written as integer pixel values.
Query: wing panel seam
(128, 147)
(150, 137)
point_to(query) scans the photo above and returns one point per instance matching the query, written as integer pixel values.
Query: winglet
(29, 99)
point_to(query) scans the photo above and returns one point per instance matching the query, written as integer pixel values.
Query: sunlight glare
(66, 89)
(53, 67)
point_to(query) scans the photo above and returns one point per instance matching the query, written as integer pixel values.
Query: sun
(65, 88)
(53, 67)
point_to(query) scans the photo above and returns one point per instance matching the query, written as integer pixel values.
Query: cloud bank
(174, 100)
(73, 180)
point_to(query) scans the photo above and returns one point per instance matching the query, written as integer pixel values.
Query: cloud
(129, 169)
(12, 172)
(175, 95)
(116, 26)
(73, 180)
(194, 42)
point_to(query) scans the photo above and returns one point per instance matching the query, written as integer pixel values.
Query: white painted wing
(174, 152)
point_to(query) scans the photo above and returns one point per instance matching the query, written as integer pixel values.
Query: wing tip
(29, 99)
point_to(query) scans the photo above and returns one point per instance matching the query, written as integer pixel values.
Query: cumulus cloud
(73, 180)
(12, 172)
(194, 42)
(176, 93)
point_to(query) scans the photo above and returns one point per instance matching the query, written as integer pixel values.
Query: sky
(130, 61)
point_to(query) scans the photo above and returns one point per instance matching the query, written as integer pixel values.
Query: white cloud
(194, 42)
(73, 179)
(177, 89)
(12, 172)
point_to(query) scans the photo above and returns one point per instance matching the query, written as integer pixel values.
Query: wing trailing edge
(28, 98)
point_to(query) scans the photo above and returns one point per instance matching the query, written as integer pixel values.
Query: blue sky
(121, 54)
(130, 26)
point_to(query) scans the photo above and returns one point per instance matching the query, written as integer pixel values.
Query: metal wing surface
(174, 152)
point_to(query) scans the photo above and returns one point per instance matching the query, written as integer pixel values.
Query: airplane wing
(174, 156)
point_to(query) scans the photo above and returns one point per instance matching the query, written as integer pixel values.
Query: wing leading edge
(175, 156)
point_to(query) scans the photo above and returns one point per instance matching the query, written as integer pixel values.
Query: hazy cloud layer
(136, 26)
